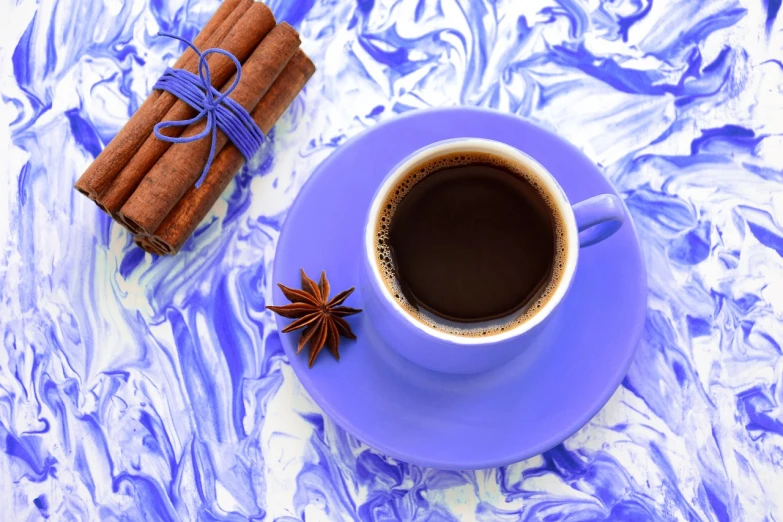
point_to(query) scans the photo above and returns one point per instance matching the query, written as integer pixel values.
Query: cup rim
(508, 152)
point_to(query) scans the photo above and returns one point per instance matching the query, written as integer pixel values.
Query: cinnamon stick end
(82, 188)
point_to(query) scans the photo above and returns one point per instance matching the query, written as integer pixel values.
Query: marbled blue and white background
(120, 401)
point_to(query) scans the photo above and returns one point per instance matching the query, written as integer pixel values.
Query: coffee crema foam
(384, 258)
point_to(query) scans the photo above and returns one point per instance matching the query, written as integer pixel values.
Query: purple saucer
(461, 421)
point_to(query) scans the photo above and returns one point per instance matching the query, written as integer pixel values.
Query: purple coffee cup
(586, 223)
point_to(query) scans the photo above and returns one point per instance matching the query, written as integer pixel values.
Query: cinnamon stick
(221, 22)
(118, 152)
(182, 221)
(241, 41)
(181, 166)
(147, 245)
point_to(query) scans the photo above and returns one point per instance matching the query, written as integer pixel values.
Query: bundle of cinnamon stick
(147, 184)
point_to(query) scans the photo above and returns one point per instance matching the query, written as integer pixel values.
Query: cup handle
(597, 218)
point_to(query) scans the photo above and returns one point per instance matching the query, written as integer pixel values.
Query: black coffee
(470, 238)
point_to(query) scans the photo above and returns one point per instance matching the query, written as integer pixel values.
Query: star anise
(321, 318)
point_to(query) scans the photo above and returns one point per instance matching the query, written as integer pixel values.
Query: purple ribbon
(221, 111)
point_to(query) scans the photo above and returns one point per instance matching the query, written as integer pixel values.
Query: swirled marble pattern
(137, 388)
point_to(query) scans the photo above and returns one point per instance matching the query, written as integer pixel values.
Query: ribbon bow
(221, 111)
